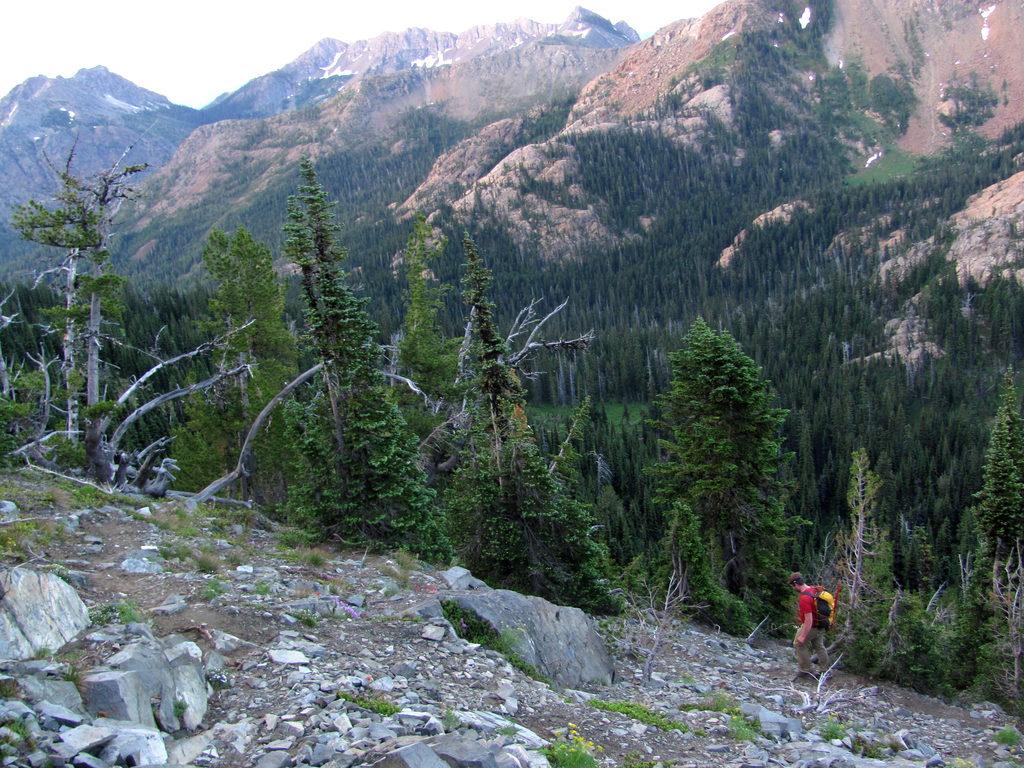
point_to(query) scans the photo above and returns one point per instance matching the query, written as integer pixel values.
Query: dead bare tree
(80, 223)
(1008, 586)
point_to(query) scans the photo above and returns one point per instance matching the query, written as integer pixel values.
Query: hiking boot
(805, 677)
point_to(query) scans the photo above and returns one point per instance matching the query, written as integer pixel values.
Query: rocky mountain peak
(91, 95)
(593, 29)
(331, 64)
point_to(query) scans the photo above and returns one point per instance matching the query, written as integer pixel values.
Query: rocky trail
(269, 654)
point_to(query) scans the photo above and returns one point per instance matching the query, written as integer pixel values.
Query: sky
(191, 51)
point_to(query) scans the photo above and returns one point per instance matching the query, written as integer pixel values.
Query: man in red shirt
(807, 634)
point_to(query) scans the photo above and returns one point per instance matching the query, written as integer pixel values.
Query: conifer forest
(633, 419)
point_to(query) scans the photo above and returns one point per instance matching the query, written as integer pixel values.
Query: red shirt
(805, 606)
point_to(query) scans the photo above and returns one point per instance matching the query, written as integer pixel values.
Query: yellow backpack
(824, 607)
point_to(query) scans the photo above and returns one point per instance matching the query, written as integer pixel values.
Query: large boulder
(38, 611)
(559, 641)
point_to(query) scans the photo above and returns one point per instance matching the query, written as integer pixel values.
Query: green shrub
(311, 556)
(1008, 737)
(214, 588)
(175, 551)
(307, 618)
(742, 729)
(123, 612)
(206, 563)
(832, 729)
(376, 704)
(571, 750)
(565, 755)
(295, 538)
(720, 701)
(640, 713)
(9, 688)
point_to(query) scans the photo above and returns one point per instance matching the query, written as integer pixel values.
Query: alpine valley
(838, 184)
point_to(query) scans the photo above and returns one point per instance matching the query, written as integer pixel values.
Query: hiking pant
(816, 640)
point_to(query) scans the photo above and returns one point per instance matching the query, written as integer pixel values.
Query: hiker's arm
(805, 628)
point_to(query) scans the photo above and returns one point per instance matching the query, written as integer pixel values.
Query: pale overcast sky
(191, 51)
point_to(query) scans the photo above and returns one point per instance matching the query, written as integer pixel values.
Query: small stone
(432, 632)
(283, 656)
(140, 566)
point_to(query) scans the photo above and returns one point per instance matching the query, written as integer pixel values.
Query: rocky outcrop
(779, 215)
(990, 234)
(559, 641)
(38, 611)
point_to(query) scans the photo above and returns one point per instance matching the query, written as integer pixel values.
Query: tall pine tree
(517, 522)
(721, 479)
(359, 480)
(249, 304)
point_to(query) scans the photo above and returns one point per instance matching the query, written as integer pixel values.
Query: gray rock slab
(489, 722)
(38, 611)
(148, 663)
(433, 632)
(190, 690)
(772, 723)
(558, 640)
(275, 759)
(140, 566)
(135, 746)
(458, 577)
(412, 756)
(171, 605)
(284, 656)
(83, 738)
(61, 714)
(85, 760)
(188, 749)
(460, 752)
(61, 692)
(118, 694)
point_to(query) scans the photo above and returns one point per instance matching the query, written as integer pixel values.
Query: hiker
(807, 634)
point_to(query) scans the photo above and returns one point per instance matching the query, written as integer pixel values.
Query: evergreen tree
(724, 450)
(517, 523)
(1000, 508)
(359, 479)
(429, 358)
(1000, 514)
(249, 304)
(425, 357)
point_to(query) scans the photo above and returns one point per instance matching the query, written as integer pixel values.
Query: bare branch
(578, 344)
(142, 410)
(24, 449)
(752, 637)
(102, 489)
(414, 387)
(524, 318)
(935, 598)
(204, 347)
(243, 455)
